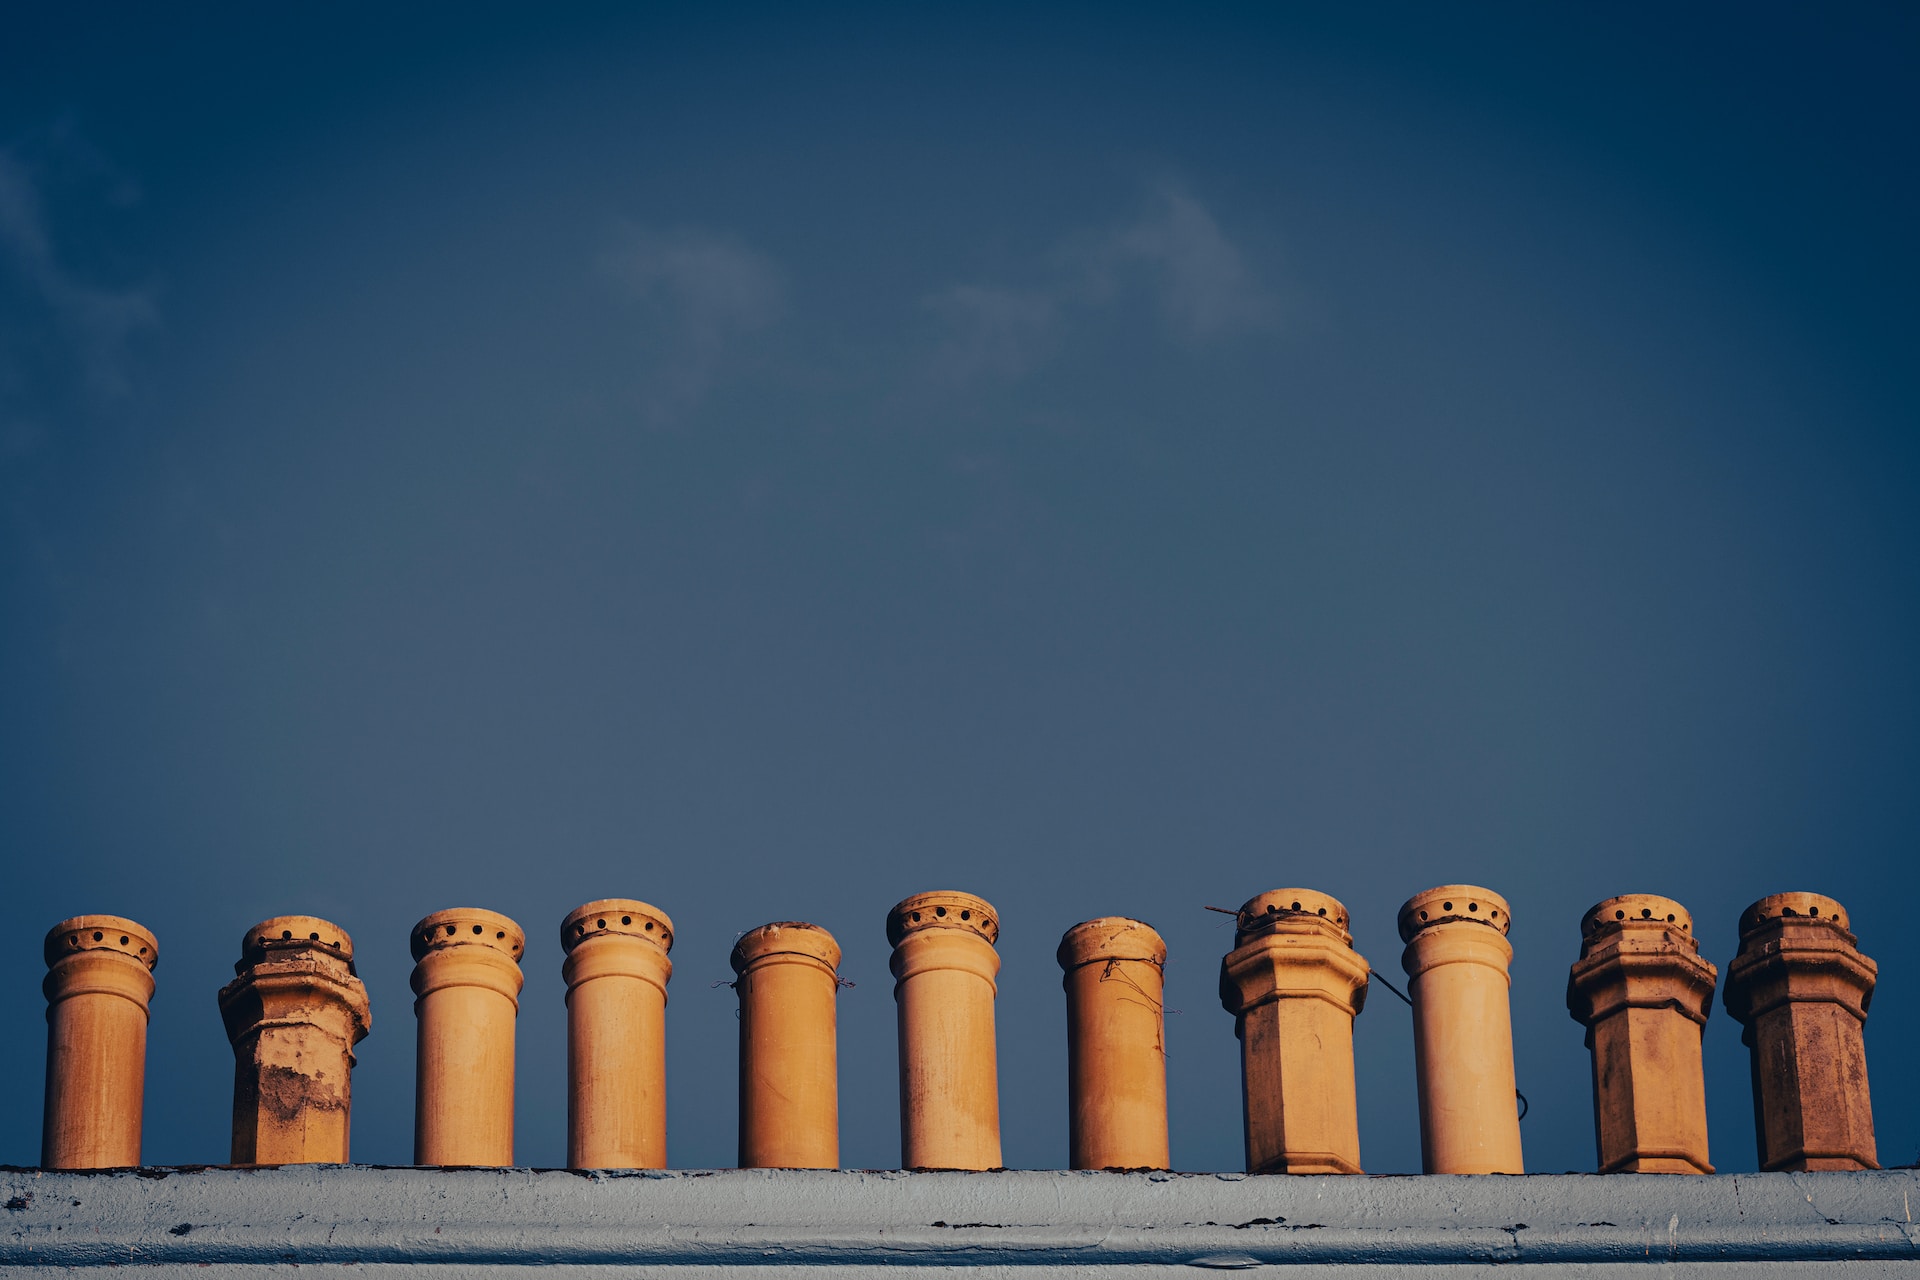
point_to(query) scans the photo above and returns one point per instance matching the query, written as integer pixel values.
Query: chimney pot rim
(785, 937)
(1814, 908)
(622, 917)
(454, 927)
(75, 934)
(943, 909)
(1454, 904)
(1260, 913)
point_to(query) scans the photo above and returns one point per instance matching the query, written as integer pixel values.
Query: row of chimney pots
(1799, 986)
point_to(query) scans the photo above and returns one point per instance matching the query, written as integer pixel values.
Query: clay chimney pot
(99, 986)
(1294, 984)
(1800, 988)
(293, 1014)
(1456, 960)
(616, 972)
(1113, 971)
(467, 979)
(1643, 992)
(944, 967)
(788, 983)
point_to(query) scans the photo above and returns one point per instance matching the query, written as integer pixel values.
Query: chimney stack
(98, 985)
(1456, 961)
(293, 1014)
(1294, 984)
(616, 972)
(1116, 1044)
(789, 1061)
(1800, 988)
(944, 966)
(1642, 990)
(467, 978)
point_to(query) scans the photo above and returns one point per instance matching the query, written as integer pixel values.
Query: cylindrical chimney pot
(1456, 961)
(1294, 983)
(293, 1013)
(466, 977)
(1642, 990)
(789, 1060)
(99, 983)
(944, 967)
(1114, 973)
(616, 971)
(1800, 989)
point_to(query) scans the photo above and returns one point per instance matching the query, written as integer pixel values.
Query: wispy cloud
(1171, 250)
(698, 292)
(92, 323)
(1203, 281)
(991, 331)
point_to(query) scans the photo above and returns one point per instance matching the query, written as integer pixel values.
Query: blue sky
(1114, 462)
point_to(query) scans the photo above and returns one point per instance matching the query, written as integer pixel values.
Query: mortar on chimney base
(293, 1014)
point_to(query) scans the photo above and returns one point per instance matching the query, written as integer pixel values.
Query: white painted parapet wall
(340, 1220)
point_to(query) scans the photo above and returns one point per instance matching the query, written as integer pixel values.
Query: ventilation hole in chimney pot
(501, 934)
(649, 926)
(313, 937)
(1619, 915)
(73, 939)
(1323, 911)
(626, 919)
(916, 917)
(124, 939)
(143, 951)
(1423, 915)
(1272, 910)
(1646, 913)
(1446, 906)
(600, 924)
(1812, 911)
(450, 929)
(286, 935)
(1785, 911)
(1296, 906)
(966, 915)
(97, 936)
(940, 911)
(1473, 906)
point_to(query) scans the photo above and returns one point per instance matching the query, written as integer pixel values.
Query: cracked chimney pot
(944, 966)
(1456, 961)
(466, 977)
(1294, 983)
(1114, 972)
(98, 985)
(1800, 989)
(616, 972)
(1643, 992)
(293, 1014)
(788, 983)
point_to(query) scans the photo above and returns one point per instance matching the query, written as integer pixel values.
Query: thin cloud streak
(94, 323)
(698, 292)
(1173, 251)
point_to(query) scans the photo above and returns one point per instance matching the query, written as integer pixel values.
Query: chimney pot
(99, 986)
(944, 967)
(467, 980)
(788, 982)
(1116, 1044)
(616, 972)
(1456, 960)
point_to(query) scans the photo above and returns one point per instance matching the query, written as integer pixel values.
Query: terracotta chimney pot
(944, 966)
(467, 978)
(98, 985)
(1800, 988)
(1456, 961)
(616, 971)
(1642, 990)
(1294, 984)
(293, 1014)
(1116, 1044)
(789, 1066)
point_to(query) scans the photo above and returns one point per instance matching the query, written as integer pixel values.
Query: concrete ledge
(351, 1220)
